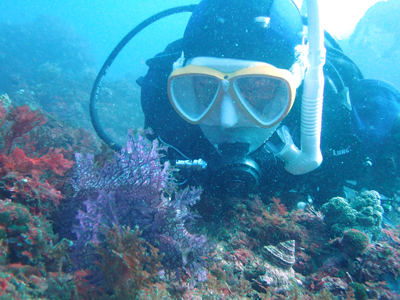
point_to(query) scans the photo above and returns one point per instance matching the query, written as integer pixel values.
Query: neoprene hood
(257, 30)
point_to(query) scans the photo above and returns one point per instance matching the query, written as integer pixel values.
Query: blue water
(104, 23)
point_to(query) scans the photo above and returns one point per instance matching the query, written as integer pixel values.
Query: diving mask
(263, 92)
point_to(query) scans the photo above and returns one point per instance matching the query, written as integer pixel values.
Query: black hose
(103, 71)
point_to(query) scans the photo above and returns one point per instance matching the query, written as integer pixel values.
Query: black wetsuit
(358, 116)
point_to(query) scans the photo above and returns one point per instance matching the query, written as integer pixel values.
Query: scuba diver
(257, 98)
(247, 83)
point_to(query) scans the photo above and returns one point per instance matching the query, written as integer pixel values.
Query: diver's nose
(229, 116)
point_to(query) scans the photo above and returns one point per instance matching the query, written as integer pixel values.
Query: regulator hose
(103, 71)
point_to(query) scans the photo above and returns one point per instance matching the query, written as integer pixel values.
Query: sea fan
(137, 190)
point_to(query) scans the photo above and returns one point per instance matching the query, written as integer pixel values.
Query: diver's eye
(205, 89)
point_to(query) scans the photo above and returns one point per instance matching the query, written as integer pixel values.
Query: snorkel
(309, 157)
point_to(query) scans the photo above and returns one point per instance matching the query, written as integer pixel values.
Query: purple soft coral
(137, 165)
(136, 189)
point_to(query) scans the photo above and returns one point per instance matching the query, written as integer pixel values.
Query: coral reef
(32, 262)
(27, 236)
(378, 263)
(33, 259)
(24, 174)
(135, 189)
(130, 271)
(364, 213)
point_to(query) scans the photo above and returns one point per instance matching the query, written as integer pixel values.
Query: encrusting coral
(364, 213)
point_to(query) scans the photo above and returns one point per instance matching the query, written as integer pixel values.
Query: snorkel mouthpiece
(309, 157)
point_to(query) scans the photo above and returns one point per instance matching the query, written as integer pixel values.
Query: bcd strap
(376, 108)
(341, 74)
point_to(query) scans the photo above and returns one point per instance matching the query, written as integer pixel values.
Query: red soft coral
(24, 173)
(279, 207)
(53, 161)
(17, 122)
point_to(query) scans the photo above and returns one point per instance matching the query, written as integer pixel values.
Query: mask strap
(299, 68)
(179, 63)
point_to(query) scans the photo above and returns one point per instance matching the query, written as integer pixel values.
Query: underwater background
(67, 201)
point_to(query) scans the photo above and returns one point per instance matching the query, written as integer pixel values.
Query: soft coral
(23, 175)
(17, 122)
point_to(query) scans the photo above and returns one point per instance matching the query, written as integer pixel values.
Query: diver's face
(233, 101)
(228, 123)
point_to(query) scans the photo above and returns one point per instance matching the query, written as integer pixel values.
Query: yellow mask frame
(227, 85)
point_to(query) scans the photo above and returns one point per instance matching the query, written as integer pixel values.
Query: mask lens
(265, 98)
(193, 95)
